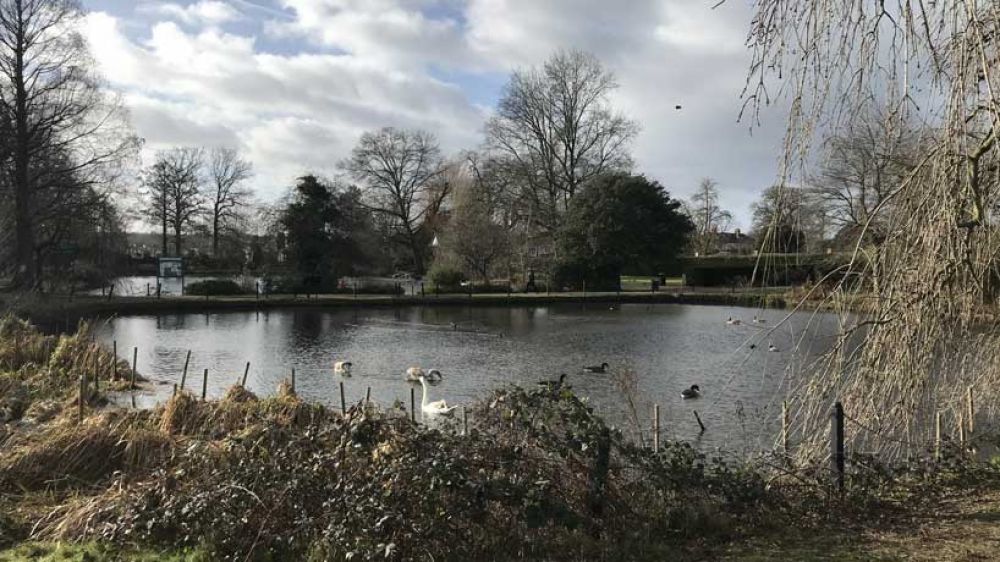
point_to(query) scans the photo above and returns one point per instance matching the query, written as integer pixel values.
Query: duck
(436, 408)
(342, 368)
(413, 374)
(693, 392)
(553, 385)
(772, 348)
(759, 320)
(602, 368)
(734, 321)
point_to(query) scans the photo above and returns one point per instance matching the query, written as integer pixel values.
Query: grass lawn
(641, 282)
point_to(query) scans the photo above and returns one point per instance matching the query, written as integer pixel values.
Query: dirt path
(963, 525)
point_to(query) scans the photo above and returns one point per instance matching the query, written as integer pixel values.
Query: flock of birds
(441, 407)
(737, 322)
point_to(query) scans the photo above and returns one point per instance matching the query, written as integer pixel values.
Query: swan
(773, 348)
(436, 408)
(734, 321)
(692, 392)
(602, 368)
(342, 368)
(413, 374)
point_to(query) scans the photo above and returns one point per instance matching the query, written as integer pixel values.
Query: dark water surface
(668, 347)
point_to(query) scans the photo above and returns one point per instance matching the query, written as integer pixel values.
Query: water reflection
(669, 347)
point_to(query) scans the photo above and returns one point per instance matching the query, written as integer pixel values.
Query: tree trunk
(177, 241)
(215, 235)
(25, 276)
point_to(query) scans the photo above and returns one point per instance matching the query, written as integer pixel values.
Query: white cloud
(346, 66)
(205, 12)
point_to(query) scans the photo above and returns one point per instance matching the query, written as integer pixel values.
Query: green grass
(93, 552)
(641, 282)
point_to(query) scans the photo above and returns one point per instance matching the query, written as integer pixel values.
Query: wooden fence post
(184, 373)
(784, 427)
(293, 379)
(83, 391)
(246, 372)
(343, 401)
(656, 428)
(698, 418)
(465, 421)
(970, 413)
(837, 444)
(135, 359)
(937, 436)
(368, 395)
(204, 386)
(413, 405)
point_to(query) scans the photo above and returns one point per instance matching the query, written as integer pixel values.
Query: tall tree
(555, 128)
(621, 223)
(475, 234)
(396, 170)
(708, 217)
(59, 128)
(227, 173)
(174, 197)
(789, 219)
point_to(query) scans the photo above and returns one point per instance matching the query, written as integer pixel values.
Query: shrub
(446, 277)
(214, 287)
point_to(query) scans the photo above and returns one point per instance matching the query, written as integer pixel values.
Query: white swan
(342, 368)
(436, 408)
(413, 374)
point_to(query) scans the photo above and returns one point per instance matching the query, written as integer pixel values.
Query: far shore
(53, 308)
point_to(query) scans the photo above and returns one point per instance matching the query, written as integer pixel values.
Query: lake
(667, 347)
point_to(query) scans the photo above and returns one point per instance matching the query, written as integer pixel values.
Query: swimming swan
(692, 392)
(602, 368)
(413, 374)
(437, 408)
(342, 368)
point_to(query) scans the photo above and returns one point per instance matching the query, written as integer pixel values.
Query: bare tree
(59, 128)
(863, 165)
(174, 197)
(227, 172)
(475, 233)
(555, 128)
(396, 170)
(708, 217)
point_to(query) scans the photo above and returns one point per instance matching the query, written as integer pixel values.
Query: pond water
(667, 347)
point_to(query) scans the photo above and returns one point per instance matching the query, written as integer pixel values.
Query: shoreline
(59, 308)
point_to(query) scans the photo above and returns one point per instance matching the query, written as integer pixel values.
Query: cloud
(205, 12)
(295, 82)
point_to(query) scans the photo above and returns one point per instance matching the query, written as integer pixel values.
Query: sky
(294, 83)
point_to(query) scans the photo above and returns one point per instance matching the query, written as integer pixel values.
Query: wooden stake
(175, 389)
(83, 391)
(204, 385)
(697, 417)
(368, 395)
(246, 372)
(465, 421)
(837, 444)
(293, 379)
(970, 413)
(135, 358)
(937, 436)
(656, 428)
(413, 405)
(184, 373)
(784, 427)
(343, 402)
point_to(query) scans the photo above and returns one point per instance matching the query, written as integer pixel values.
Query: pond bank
(59, 308)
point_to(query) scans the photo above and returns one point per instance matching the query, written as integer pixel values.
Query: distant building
(734, 243)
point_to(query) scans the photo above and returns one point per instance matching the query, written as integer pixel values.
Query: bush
(214, 287)
(446, 277)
